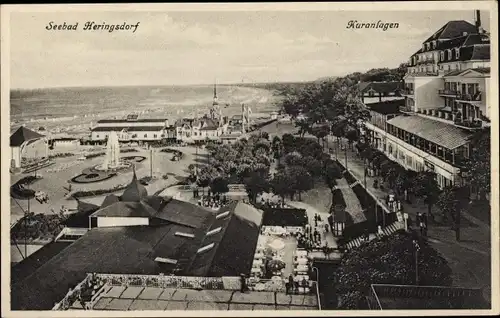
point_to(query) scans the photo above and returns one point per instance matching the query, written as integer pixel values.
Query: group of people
(312, 238)
(213, 201)
(395, 205)
(292, 286)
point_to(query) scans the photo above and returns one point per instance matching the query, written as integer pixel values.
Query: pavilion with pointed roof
(22, 139)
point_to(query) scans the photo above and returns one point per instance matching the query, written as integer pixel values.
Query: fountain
(112, 159)
(112, 163)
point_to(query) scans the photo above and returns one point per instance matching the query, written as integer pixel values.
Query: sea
(72, 110)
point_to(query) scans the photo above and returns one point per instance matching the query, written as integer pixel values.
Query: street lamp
(417, 248)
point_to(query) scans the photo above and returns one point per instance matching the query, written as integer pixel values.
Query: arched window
(457, 53)
(442, 56)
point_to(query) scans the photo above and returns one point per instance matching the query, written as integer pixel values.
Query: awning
(442, 134)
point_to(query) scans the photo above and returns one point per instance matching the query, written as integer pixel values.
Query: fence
(162, 281)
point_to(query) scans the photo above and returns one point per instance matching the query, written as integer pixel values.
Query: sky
(182, 48)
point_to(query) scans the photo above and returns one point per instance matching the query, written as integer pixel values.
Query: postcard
(250, 159)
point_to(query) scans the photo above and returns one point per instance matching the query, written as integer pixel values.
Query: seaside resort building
(445, 101)
(150, 252)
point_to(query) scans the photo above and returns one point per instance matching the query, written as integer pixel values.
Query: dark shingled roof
(236, 250)
(23, 134)
(386, 107)
(133, 249)
(473, 52)
(135, 191)
(442, 134)
(130, 128)
(142, 120)
(452, 30)
(381, 87)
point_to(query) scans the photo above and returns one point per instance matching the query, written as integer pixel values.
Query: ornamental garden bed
(37, 227)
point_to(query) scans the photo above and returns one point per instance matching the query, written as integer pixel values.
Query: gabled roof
(481, 71)
(130, 128)
(142, 120)
(22, 135)
(386, 107)
(442, 134)
(381, 87)
(452, 29)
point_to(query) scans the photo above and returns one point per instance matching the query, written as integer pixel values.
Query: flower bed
(37, 226)
(92, 193)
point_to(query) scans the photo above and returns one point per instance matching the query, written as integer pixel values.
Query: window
(442, 55)
(195, 133)
(448, 57)
(221, 215)
(97, 136)
(206, 248)
(434, 44)
(457, 53)
(188, 235)
(145, 135)
(166, 260)
(214, 231)
(155, 135)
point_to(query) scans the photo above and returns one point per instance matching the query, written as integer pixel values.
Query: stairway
(388, 230)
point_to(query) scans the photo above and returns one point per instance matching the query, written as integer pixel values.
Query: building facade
(132, 129)
(446, 100)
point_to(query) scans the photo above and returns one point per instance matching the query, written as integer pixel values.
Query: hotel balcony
(448, 93)
(469, 98)
(468, 124)
(443, 114)
(407, 109)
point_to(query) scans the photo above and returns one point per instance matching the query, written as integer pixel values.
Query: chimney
(478, 20)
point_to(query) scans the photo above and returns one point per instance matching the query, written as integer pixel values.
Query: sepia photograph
(239, 158)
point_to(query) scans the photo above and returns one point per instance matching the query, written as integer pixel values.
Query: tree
(388, 260)
(352, 136)
(277, 147)
(313, 166)
(255, 184)
(478, 166)
(332, 172)
(301, 180)
(321, 132)
(280, 184)
(425, 186)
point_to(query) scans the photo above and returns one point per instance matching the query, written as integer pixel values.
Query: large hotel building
(445, 100)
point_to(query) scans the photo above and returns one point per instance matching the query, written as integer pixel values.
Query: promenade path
(311, 211)
(469, 258)
(353, 207)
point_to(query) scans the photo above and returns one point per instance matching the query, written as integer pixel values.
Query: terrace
(159, 292)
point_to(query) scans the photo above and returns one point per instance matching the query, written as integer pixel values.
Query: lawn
(320, 197)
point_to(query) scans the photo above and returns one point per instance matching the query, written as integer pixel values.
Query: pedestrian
(420, 222)
(399, 206)
(424, 221)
